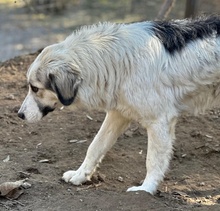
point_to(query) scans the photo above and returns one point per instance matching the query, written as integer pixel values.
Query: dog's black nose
(21, 115)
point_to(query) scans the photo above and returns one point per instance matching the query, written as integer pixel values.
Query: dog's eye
(34, 89)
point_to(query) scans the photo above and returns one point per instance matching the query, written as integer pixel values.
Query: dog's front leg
(113, 125)
(160, 138)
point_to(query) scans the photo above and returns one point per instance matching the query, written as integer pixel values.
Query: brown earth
(191, 184)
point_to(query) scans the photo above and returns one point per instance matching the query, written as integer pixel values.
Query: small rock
(6, 159)
(208, 197)
(26, 185)
(10, 97)
(129, 133)
(120, 179)
(201, 184)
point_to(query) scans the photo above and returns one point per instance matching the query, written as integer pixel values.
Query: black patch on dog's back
(175, 35)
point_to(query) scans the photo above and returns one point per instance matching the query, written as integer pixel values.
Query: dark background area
(29, 25)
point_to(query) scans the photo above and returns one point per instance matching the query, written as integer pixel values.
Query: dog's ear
(64, 81)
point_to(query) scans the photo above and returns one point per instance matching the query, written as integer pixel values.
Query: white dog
(149, 72)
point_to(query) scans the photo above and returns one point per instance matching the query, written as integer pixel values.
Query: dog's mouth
(46, 110)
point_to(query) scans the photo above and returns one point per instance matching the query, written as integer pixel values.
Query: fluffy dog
(149, 72)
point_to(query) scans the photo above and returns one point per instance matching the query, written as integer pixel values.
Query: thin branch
(165, 9)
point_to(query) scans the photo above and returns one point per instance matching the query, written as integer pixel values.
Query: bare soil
(191, 184)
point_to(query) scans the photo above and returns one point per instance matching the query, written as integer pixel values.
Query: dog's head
(52, 77)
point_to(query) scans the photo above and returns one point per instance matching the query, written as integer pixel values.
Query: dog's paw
(142, 188)
(68, 175)
(74, 177)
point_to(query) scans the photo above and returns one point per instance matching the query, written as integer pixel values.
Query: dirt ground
(191, 184)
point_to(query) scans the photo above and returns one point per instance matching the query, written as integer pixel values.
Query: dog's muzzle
(43, 110)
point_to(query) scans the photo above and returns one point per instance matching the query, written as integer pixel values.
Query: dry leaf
(15, 193)
(180, 193)
(44, 161)
(11, 189)
(73, 141)
(89, 117)
(81, 141)
(77, 141)
(208, 136)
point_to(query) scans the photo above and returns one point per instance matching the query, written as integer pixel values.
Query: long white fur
(127, 72)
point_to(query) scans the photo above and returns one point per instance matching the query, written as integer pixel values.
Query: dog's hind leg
(160, 139)
(112, 127)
